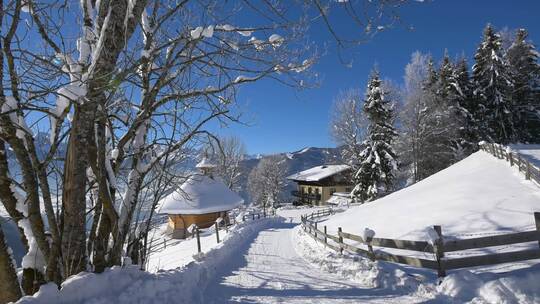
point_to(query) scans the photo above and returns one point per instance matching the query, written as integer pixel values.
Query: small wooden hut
(200, 200)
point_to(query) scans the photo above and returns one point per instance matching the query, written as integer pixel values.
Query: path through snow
(268, 270)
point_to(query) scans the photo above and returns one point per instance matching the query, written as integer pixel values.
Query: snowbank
(131, 285)
(352, 267)
(517, 286)
(480, 194)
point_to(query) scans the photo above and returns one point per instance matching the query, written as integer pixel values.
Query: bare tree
(348, 125)
(125, 101)
(229, 153)
(267, 180)
(412, 117)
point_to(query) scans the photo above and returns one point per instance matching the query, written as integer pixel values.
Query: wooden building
(201, 200)
(316, 185)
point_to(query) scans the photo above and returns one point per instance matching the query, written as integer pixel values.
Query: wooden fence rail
(530, 170)
(438, 249)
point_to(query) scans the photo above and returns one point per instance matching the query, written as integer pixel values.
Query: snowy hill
(480, 194)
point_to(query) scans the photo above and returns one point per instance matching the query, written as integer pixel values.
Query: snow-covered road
(268, 270)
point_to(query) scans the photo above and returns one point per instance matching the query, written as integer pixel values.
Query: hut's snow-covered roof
(317, 173)
(199, 195)
(205, 163)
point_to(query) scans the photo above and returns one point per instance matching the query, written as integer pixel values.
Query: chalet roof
(318, 173)
(199, 195)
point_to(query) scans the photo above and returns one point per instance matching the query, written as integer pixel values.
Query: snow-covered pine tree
(375, 175)
(492, 90)
(522, 59)
(436, 146)
(444, 117)
(460, 96)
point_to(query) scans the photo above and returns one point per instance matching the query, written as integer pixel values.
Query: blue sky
(283, 119)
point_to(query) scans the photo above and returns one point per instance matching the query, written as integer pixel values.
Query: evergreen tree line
(446, 109)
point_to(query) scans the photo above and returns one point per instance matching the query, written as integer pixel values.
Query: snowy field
(479, 195)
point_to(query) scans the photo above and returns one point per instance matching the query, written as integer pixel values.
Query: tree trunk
(74, 198)
(113, 35)
(32, 279)
(101, 243)
(10, 290)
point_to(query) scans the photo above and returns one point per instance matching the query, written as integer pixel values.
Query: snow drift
(480, 194)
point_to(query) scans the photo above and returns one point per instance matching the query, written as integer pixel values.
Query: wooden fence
(160, 244)
(530, 170)
(436, 250)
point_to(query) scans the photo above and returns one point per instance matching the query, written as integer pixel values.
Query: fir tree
(460, 99)
(522, 59)
(437, 146)
(492, 93)
(375, 175)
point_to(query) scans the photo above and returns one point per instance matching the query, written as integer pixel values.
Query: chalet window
(332, 191)
(316, 190)
(309, 190)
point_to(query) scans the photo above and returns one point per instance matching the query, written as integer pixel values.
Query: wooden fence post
(164, 243)
(253, 216)
(217, 231)
(315, 230)
(528, 172)
(340, 239)
(198, 239)
(439, 252)
(537, 222)
(371, 254)
(511, 159)
(325, 233)
(243, 218)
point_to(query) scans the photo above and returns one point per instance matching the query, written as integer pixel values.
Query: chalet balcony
(306, 196)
